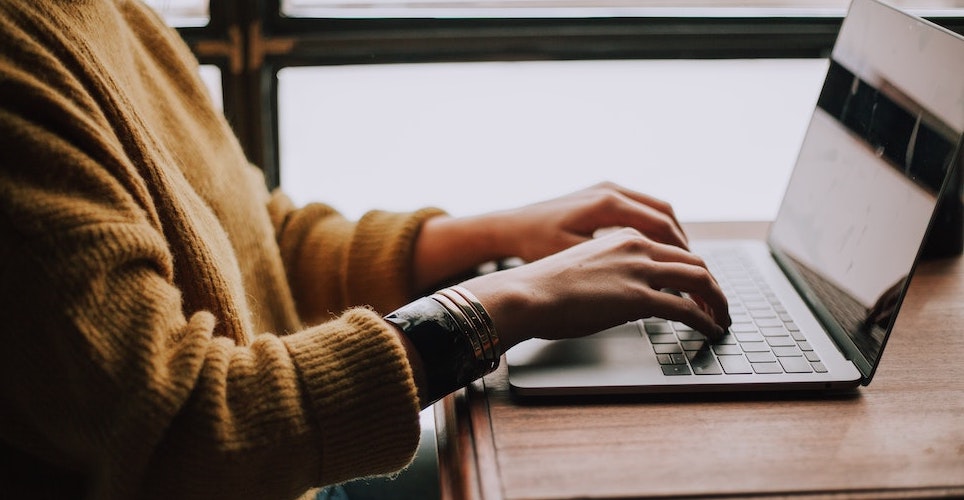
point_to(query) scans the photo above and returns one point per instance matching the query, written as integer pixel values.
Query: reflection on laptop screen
(883, 136)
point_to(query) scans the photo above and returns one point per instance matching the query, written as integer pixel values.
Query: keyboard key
(773, 367)
(726, 340)
(689, 335)
(744, 328)
(769, 322)
(667, 348)
(663, 338)
(727, 349)
(787, 351)
(781, 342)
(797, 335)
(692, 345)
(805, 346)
(762, 313)
(682, 327)
(664, 359)
(774, 331)
(735, 364)
(755, 347)
(791, 326)
(678, 358)
(657, 327)
(796, 365)
(818, 367)
(811, 356)
(676, 370)
(748, 337)
(704, 363)
(761, 357)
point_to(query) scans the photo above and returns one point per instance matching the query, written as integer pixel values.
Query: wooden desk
(901, 436)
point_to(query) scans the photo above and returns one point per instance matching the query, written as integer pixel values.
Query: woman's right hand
(598, 284)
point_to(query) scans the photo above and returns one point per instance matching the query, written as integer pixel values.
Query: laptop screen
(884, 137)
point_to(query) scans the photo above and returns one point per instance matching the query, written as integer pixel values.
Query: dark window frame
(250, 41)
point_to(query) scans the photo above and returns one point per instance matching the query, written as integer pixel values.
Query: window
(593, 8)
(474, 137)
(192, 14)
(182, 13)
(303, 74)
(211, 75)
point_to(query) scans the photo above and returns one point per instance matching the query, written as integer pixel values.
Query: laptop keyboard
(763, 338)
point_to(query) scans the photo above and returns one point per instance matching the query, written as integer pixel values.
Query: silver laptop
(813, 305)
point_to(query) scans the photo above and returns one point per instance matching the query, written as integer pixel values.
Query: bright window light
(717, 138)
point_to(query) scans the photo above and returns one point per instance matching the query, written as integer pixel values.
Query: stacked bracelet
(479, 325)
(454, 336)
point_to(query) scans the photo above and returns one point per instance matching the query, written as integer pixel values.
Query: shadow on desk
(684, 398)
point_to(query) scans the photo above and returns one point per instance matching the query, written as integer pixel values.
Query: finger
(657, 204)
(698, 283)
(670, 253)
(675, 308)
(643, 198)
(695, 298)
(655, 224)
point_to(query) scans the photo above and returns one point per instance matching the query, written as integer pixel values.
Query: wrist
(508, 303)
(450, 341)
(448, 247)
(415, 362)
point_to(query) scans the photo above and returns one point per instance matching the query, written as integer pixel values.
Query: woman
(171, 329)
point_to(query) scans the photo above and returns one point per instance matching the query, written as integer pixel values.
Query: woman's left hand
(548, 227)
(451, 246)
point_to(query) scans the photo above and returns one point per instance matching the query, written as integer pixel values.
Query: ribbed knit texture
(171, 329)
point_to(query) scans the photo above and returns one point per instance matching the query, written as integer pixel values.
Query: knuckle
(664, 223)
(699, 262)
(703, 276)
(664, 206)
(634, 241)
(608, 200)
(632, 233)
(667, 208)
(691, 311)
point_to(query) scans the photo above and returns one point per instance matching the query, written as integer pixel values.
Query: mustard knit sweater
(170, 329)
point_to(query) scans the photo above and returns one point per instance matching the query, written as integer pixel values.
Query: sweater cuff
(380, 261)
(359, 386)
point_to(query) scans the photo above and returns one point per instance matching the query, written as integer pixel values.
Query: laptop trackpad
(615, 357)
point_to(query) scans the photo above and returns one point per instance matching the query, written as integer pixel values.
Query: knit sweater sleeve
(131, 370)
(119, 391)
(334, 263)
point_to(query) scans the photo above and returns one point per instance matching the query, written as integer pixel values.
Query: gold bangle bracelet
(479, 327)
(484, 317)
(464, 323)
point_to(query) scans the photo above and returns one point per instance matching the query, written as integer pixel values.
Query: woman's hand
(449, 246)
(601, 283)
(542, 229)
